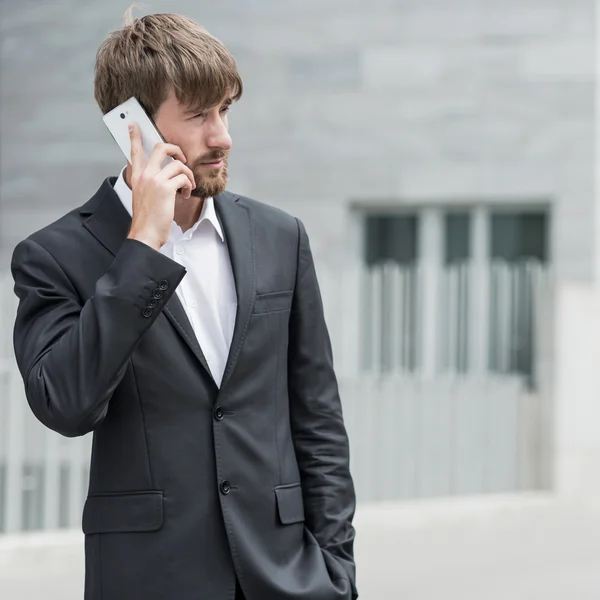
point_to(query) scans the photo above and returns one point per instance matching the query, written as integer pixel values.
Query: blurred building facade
(415, 133)
(353, 111)
(441, 155)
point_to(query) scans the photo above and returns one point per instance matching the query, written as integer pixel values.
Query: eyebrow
(195, 111)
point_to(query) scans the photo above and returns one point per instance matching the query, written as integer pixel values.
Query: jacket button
(163, 284)
(157, 294)
(147, 312)
(152, 303)
(225, 487)
(219, 414)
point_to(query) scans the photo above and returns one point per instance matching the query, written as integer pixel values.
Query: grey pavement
(481, 549)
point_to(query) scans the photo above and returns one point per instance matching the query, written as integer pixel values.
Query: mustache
(212, 157)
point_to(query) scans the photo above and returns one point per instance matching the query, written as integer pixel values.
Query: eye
(226, 109)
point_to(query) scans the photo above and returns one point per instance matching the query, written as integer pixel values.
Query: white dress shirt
(207, 292)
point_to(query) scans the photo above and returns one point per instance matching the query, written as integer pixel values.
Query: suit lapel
(237, 225)
(176, 314)
(107, 219)
(109, 222)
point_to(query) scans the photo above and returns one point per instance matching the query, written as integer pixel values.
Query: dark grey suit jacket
(191, 485)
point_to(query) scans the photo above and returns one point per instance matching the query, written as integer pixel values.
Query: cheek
(182, 135)
(192, 141)
(190, 151)
(169, 133)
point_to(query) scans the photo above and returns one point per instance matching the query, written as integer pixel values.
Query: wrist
(145, 239)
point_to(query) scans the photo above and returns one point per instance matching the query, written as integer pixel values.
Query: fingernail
(130, 127)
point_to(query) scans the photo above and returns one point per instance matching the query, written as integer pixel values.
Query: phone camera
(122, 115)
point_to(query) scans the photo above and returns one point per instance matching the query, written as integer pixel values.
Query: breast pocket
(273, 302)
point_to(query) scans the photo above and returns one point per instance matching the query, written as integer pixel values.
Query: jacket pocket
(123, 512)
(273, 302)
(290, 504)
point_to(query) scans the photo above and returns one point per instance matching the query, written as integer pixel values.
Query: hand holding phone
(158, 172)
(117, 121)
(154, 188)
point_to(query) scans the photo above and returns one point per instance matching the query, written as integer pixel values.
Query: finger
(182, 184)
(138, 161)
(160, 152)
(175, 168)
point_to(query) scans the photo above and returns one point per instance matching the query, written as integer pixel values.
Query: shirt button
(194, 304)
(179, 250)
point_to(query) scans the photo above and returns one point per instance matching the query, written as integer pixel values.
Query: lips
(216, 164)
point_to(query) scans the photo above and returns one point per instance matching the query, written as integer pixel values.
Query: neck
(186, 212)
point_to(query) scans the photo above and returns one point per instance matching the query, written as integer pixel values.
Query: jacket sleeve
(320, 438)
(71, 354)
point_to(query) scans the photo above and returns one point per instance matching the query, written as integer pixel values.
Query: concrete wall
(376, 103)
(577, 390)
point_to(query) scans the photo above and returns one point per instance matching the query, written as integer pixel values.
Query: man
(183, 325)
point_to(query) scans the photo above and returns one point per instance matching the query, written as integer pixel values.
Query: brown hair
(151, 55)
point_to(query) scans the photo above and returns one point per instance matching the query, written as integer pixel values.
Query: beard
(210, 182)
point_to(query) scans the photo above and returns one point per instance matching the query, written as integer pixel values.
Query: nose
(218, 136)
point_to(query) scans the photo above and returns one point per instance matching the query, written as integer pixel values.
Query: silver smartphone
(117, 121)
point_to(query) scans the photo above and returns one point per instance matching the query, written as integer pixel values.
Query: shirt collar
(208, 208)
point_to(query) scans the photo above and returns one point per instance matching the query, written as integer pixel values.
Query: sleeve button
(163, 284)
(147, 312)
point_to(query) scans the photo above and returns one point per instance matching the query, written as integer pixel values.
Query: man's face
(203, 138)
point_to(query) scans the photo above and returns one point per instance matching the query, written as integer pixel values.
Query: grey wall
(379, 102)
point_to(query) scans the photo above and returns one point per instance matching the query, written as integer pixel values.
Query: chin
(210, 188)
(212, 184)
